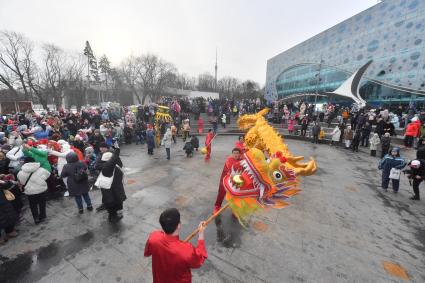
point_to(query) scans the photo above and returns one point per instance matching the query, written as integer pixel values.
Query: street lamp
(317, 82)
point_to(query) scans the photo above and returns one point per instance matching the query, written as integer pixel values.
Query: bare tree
(206, 82)
(228, 87)
(129, 71)
(76, 88)
(53, 79)
(15, 59)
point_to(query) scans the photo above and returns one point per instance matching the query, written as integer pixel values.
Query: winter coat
(188, 147)
(348, 134)
(43, 134)
(116, 194)
(167, 139)
(8, 216)
(61, 156)
(37, 184)
(316, 129)
(14, 155)
(389, 162)
(336, 134)
(291, 125)
(412, 130)
(150, 138)
(417, 171)
(194, 141)
(39, 156)
(385, 142)
(73, 166)
(374, 141)
(420, 154)
(4, 166)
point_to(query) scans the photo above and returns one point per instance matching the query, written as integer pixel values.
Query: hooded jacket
(37, 183)
(389, 162)
(412, 129)
(73, 166)
(167, 139)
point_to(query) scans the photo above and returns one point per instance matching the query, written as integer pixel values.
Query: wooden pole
(211, 218)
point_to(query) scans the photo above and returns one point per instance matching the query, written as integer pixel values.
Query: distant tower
(215, 87)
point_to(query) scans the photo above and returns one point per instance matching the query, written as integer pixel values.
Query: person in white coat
(336, 134)
(166, 141)
(33, 179)
(15, 154)
(65, 149)
(374, 141)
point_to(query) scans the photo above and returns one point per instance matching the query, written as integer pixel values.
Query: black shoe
(37, 221)
(100, 208)
(81, 211)
(415, 198)
(90, 208)
(115, 218)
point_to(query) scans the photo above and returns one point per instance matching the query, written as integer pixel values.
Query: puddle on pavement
(31, 266)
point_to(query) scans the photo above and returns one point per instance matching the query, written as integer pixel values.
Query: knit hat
(415, 163)
(106, 156)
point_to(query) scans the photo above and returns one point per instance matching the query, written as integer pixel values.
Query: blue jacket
(42, 134)
(389, 162)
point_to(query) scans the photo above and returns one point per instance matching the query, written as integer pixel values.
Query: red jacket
(172, 259)
(208, 139)
(412, 129)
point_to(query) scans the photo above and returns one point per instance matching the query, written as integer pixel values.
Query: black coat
(73, 166)
(4, 166)
(116, 194)
(8, 216)
(420, 154)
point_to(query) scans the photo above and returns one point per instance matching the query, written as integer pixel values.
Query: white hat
(106, 156)
(61, 142)
(415, 163)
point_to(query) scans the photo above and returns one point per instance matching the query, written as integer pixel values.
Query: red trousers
(208, 155)
(220, 195)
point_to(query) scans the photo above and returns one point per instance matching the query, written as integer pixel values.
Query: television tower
(216, 69)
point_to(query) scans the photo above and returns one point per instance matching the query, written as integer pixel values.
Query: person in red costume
(208, 142)
(240, 144)
(200, 125)
(231, 162)
(172, 259)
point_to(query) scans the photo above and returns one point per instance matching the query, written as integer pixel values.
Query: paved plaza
(341, 228)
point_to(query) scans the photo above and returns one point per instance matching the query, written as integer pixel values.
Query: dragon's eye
(277, 175)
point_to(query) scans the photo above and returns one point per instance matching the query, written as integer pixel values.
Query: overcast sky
(186, 32)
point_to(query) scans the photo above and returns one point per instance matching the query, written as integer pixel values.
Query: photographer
(417, 174)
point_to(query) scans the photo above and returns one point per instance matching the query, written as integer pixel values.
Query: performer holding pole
(172, 259)
(208, 142)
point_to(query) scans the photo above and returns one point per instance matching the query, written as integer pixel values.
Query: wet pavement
(341, 228)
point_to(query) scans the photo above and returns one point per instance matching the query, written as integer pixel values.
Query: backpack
(80, 175)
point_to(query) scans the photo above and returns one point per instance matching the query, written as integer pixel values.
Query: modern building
(391, 34)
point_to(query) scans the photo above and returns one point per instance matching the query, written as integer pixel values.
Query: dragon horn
(310, 169)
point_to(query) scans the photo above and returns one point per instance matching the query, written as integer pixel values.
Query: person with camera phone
(416, 174)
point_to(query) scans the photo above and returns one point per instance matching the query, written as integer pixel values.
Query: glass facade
(391, 33)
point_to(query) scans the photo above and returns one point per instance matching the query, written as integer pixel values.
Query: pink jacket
(291, 125)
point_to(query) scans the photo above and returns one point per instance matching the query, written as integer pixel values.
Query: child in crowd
(391, 166)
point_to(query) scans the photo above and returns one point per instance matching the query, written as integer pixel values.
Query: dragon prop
(268, 173)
